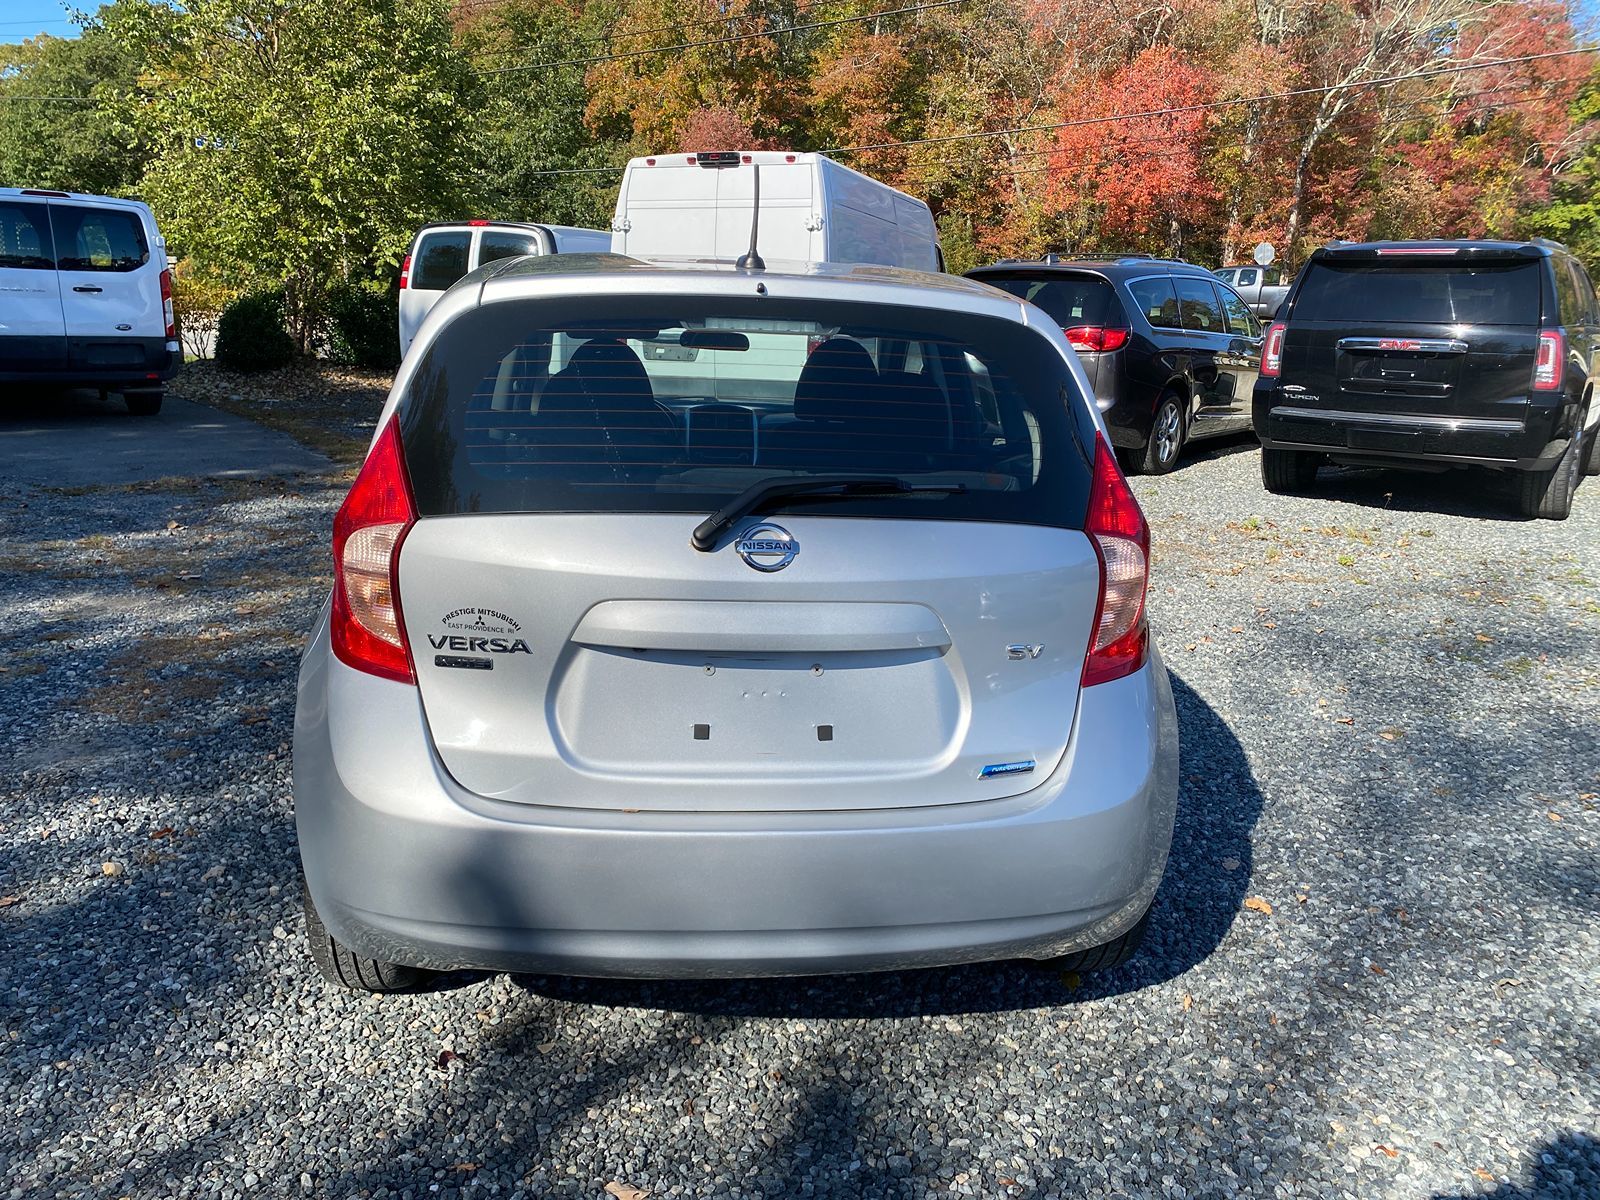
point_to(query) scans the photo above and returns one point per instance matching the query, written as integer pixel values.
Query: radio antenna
(751, 260)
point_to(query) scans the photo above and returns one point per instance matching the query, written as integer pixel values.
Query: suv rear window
(441, 260)
(1366, 293)
(1070, 301)
(98, 239)
(677, 404)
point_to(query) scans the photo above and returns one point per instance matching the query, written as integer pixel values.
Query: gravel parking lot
(1373, 970)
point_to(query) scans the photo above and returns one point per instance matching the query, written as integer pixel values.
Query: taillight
(1121, 539)
(166, 305)
(405, 273)
(1550, 365)
(1272, 351)
(366, 627)
(1096, 337)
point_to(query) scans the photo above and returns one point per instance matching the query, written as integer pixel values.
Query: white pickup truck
(1263, 288)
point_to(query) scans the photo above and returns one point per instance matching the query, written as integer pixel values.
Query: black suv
(1432, 355)
(1170, 351)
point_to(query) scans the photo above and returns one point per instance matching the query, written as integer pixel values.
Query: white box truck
(812, 210)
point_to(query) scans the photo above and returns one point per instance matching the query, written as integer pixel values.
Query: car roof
(1122, 265)
(1536, 248)
(605, 272)
(55, 194)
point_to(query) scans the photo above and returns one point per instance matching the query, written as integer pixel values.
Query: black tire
(143, 404)
(1547, 495)
(1285, 472)
(1102, 958)
(1167, 432)
(340, 965)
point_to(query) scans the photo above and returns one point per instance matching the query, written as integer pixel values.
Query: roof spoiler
(1430, 251)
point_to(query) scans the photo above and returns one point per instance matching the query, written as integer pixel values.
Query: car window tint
(496, 245)
(1197, 304)
(440, 260)
(1157, 301)
(1586, 292)
(676, 404)
(1240, 322)
(25, 237)
(98, 239)
(1272, 277)
(1070, 301)
(1247, 278)
(1365, 293)
(1567, 294)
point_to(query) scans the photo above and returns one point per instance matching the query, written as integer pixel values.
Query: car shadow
(1480, 494)
(1211, 449)
(1202, 891)
(1566, 1166)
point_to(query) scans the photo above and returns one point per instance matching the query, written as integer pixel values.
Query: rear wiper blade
(821, 487)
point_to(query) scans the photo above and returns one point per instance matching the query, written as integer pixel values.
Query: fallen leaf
(1554, 816)
(164, 832)
(467, 1166)
(625, 1191)
(172, 525)
(8, 901)
(1486, 1176)
(1376, 969)
(1302, 897)
(446, 1057)
(1483, 637)
(1006, 1182)
(1257, 904)
(1386, 1151)
(1188, 1002)
(1347, 720)
(110, 869)
(1237, 629)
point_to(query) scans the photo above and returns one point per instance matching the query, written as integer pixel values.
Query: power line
(727, 41)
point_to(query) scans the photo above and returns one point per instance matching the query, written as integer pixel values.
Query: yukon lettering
(478, 645)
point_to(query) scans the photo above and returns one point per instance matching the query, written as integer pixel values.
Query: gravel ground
(1372, 970)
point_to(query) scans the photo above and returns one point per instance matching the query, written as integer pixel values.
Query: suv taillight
(405, 273)
(1121, 538)
(1549, 366)
(1096, 337)
(1272, 350)
(366, 627)
(167, 313)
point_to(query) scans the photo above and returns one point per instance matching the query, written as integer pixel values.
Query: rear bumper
(405, 865)
(1522, 443)
(114, 363)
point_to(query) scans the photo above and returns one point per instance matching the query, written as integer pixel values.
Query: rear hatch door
(1421, 334)
(110, 267)
(573, 648)
(32, 327)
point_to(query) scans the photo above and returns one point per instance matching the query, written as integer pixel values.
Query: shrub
(251, 336)
(197, 301)
(361, 329)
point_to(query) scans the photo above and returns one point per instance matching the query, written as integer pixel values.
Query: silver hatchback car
(691, 620)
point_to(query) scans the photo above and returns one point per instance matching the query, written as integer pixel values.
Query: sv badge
(1019, 653)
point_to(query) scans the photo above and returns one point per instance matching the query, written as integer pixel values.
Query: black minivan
(1170, 350)
(1432, 355)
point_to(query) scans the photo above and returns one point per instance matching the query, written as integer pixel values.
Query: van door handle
(87, 287)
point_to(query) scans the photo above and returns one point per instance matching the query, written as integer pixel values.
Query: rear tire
(1285, 472)
(1547, 495)
(143, 404)
(1167, 431)
(1101, 958)
(338, 964)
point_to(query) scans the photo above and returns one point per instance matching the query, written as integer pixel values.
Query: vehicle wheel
(1548, 494)
(1285, 472)
(1166, 437)
(143, 404)
(1102, 958)
(339, 964)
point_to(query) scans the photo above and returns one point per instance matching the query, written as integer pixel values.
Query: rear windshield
(98, 239)
(1071, 301)
(441, 260)
(677, 404)
(1425, 293)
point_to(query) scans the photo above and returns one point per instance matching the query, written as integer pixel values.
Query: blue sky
(24, 18)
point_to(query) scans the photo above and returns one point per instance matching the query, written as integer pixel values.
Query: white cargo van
(812, 209)
(443, 252)
(85, 296)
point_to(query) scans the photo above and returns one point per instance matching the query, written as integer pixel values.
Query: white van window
(25, 237)
(98, 239)
(495, 245)
(441, 259)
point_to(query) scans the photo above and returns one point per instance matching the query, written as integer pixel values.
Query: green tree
(1573, 215)
(79, 137)
(298, 146)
